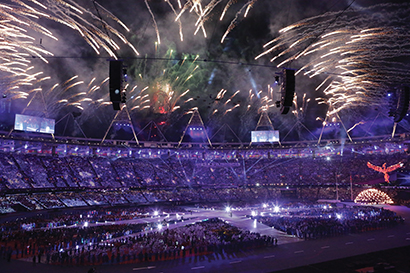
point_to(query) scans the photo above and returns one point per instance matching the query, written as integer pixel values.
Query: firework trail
(227, 6)
(264, 99)
(361, 57)
(73, 92)
(164, 87)
(204, 9)
(222, 105)
(233, 23)
(139, 100)
(155, 22)
(181, 35)
(21, 79)
(354, 126)
(300, 112)
(243, 105)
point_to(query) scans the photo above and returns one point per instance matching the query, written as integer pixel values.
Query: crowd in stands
(110, 187)
(30, 171)
(46, 181)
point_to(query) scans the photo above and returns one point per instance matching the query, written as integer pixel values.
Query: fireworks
(73, 92)
(165, 86)
(264, 99)
(168, 84)
(155, 22)
(17, 45)
(224, 105)
(203, 9)
(300, 112)
(18, 48)
(233, 23)
(360, 58)
(167, 92)
(373, 197)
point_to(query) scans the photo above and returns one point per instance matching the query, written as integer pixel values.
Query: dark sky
(230, 65)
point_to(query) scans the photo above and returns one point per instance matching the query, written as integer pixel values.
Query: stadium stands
(33, 180)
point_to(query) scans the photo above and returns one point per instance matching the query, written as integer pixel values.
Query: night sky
(208, 68)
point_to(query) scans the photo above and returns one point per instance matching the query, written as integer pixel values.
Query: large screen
(265, 136)
(34, 124)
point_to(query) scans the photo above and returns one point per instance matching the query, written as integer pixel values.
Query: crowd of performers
(119, 236)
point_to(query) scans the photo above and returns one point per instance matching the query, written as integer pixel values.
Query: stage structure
(122, 118)
(196, 129)
(264, 131)
(225, 129)
(298, 122)
(379, 118)
(38, 122)
(67, 117)
(152, 127)
(329, 121)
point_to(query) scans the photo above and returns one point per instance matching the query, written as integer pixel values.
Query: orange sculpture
(385, 170)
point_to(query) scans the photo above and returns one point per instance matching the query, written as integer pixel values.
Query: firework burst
(74, 93)
(18, 47)
(360, 58)
(204, 9)
(165, 87)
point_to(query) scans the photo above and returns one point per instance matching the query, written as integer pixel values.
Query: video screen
(34, 124)
(265, 136)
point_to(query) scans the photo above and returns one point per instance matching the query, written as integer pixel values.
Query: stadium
(172, 161)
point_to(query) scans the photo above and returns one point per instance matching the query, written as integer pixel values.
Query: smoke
(229, 66)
